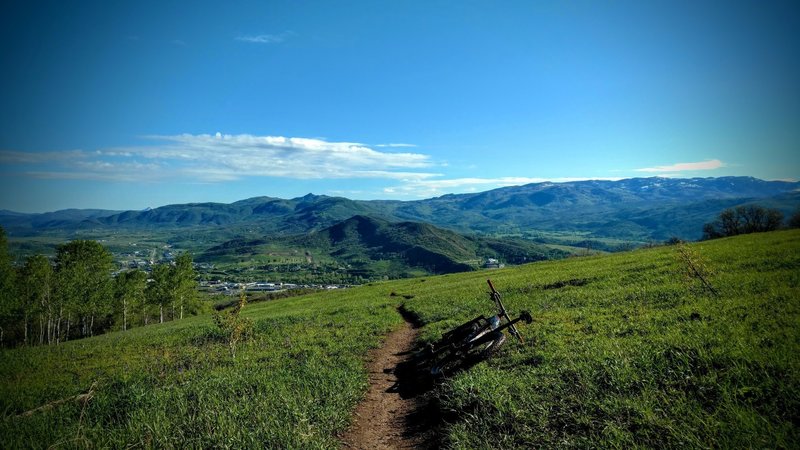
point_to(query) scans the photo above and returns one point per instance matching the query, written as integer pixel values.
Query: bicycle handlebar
(496, 297)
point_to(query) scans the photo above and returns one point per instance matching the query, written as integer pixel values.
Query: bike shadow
(424, 420)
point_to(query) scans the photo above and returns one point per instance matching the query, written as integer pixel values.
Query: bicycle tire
(491, 348)
(451, 361)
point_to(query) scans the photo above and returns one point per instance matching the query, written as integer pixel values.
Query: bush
(234, 328)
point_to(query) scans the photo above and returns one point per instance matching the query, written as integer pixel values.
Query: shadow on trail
(414, 382)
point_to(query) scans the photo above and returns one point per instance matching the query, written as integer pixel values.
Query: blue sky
(125, 105)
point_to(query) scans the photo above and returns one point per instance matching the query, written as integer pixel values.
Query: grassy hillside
(370, 248)
(625, 351)
(176, 385)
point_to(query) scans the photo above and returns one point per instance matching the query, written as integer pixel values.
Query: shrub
(235, 328)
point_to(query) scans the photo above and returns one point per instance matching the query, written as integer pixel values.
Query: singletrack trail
(393, 415)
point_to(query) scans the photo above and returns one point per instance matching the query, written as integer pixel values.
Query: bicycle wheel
(446, 363)
(490, 344)
(490, 347)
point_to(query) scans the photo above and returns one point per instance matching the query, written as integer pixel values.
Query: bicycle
(473, 341)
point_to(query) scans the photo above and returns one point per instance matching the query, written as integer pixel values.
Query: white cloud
(710, 164)
(398, 145)
(265, 38)
(222, 157)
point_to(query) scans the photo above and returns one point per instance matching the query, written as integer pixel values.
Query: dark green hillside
(373, 247)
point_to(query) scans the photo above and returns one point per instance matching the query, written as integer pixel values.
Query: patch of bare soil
(394, 413)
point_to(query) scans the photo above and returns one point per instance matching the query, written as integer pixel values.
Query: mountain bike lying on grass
(473, 341)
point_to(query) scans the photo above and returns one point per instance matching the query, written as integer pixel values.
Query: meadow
(626, 350)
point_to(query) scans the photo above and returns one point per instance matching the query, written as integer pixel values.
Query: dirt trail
(393, 414)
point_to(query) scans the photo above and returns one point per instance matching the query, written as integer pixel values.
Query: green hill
(373, 247)
(626, 351)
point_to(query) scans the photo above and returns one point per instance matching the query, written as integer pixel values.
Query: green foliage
(9, 305)
(159, 290)
(368, 248)
(83, 273)
(235, 328)
(38, 284)
(174, 287)
(184, 290)
(129, 293)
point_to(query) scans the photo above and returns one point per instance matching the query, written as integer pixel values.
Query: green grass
(636, 355)
(176, 385)
(625, 351)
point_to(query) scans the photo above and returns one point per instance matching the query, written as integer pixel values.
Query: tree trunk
(58, 326)
(161, 312)
(91, 326)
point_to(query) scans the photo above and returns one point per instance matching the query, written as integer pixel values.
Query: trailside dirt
(391, 414)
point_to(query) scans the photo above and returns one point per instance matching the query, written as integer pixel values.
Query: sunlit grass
(625, 351)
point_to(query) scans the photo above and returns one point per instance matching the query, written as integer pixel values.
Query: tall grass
(625, 351)
(176, 385)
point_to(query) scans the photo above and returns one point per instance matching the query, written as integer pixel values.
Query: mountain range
(636, 209)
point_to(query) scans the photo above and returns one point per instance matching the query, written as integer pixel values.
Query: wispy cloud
(13, 157)
(265, 38)
(710, 164)
(215, 158)
(398, 145)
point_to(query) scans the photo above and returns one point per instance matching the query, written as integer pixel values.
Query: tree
(183, 282)
(742, 220)
(158, 290)
(8, 287)
(37, 292)
(729, 223)
(83, 271)
(794, 221)
(129, 291)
